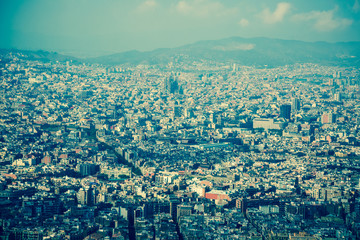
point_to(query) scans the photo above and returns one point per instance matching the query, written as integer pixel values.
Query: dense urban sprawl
(196, 150)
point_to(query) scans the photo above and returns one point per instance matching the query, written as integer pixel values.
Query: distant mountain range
(251, 51)
(40, 55)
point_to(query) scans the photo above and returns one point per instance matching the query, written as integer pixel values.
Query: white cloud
(203, 8)
(244, 22)
(146, 6)
(323, 21)
(278, 15)
(184, 7)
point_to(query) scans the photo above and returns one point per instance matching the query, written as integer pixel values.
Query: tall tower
(171, 84)
(285, 111)
(295, 105)
(212, 117)
(241, 204)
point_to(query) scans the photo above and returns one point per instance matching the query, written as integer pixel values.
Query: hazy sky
(107, 26)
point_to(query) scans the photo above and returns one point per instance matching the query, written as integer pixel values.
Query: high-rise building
(328, 118)
(235, 68)
(139, 212)
(87, 196)
(219, 120)
(241, 204)
(337, 74)
(174, 203)
(177, 111)
(183, 210)
(338, 97)
(188, 113)
(285, 111)
(171, 84)
(87, 169)
(295, 104)
(212, 117)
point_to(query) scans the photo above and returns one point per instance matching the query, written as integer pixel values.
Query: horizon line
(88, 55)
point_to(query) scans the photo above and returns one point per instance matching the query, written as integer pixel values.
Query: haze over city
(94, 28)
